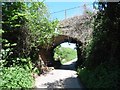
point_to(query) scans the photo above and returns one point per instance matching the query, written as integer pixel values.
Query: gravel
(59, 78)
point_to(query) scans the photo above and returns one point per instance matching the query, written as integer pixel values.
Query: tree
(27, 25)
(41, 28)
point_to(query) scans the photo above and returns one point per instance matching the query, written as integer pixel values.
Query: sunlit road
(65, 77)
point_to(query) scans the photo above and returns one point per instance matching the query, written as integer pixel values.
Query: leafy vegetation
(16, 77)
(102, 76)
(25, 26)
(41, 28)
(64, 54)
(101, 56)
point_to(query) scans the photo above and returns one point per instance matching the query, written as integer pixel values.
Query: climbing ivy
(25, 26)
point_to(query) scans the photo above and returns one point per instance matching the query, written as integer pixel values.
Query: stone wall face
(46, 55)
(77, 27)
(76, 30)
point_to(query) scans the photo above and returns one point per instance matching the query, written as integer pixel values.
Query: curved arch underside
(47, 52)
(63, 38)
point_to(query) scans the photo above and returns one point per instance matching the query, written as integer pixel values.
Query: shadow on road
(65, 78)
(70, 66)
(66, 83)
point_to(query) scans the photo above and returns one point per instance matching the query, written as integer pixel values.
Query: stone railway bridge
(76, 30)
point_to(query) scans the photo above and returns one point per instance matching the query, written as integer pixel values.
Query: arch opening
(65, 52)
(47, 53)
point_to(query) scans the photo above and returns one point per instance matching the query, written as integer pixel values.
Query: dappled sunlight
(58, 79)
(69, 65)
(70, 82)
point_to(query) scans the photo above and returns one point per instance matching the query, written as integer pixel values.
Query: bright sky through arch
(70, 45)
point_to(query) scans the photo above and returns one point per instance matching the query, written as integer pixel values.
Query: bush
(104, 76)
(15, 77)
(64, 54)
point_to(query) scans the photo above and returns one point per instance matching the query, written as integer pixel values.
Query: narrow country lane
(65, 77)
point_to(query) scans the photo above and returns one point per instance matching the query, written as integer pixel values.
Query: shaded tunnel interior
(47, 54)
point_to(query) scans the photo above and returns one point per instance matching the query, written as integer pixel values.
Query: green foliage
(104, 39)
(26, 63)
(25, 26)
(13, 25)
(1, 31)
(41, 28)
(64, 54)
(12, 15)
(15, 77)
(101, 67)
(28, 26)
(4, 56)
(6, 61)
(104, 76)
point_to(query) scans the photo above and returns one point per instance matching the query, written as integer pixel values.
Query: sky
(70, 45)
(56, 6)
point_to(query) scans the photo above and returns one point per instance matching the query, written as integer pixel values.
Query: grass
(65, 54)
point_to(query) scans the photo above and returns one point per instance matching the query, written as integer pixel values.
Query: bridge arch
(47, 53)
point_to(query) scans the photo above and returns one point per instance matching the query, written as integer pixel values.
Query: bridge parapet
(77, 27)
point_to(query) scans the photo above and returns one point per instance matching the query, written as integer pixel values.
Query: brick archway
(47, 52)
